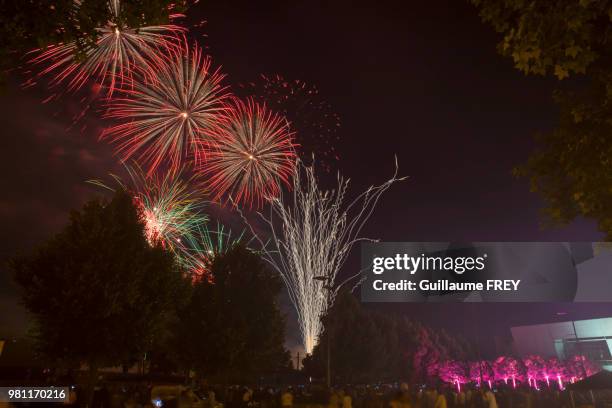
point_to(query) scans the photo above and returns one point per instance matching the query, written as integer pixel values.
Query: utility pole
(297, 362)
(328, 376)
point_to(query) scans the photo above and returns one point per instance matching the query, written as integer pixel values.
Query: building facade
(591, 338)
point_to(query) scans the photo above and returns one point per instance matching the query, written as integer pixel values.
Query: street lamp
(327, 286)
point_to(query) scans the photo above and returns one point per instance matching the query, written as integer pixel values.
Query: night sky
(420, 80)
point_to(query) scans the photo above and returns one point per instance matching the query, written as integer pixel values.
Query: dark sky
(420, 80)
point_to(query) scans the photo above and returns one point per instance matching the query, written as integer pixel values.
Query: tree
(232, 328)
(572, 167)
(361, 349)
(480, 371)
(99, 293)
(535, 367)
(544, 37)
(580, 366)
(368, 346)
(428, 356)
(453, 372)
(38, 23)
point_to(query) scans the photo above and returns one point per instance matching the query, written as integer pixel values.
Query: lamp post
(328, 287)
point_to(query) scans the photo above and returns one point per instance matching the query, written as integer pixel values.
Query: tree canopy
(232, 328)
(31, 24)
(98, 291)
(551, 37)
(572, 166)
(368, 346)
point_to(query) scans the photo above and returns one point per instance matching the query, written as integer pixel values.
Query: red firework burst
(251, 155)
(311, 117)
(110, 60)
(168, 111)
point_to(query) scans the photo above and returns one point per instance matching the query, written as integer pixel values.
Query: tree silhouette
(99, 293)
(572, 165)
(368, 346)
(232, 328)
(38, 23)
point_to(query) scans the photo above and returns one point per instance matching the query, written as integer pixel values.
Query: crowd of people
(313, 396)
(402, 396)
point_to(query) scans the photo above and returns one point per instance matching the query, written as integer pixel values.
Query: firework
(312, 234)
(204, 246)
(173, 217)
(110, 60)
(171, 213)
(310, 116)
(164, 119)
(251, 155)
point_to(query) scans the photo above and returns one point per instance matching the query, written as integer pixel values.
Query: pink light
(573, 380)
(560, 382)
(547, 380)
(490, 386)
(458, 385)
(506, 380)
(513, 382)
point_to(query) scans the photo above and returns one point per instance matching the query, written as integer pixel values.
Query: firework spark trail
(171, 212)
(318, 230)
(251, 155)
(110, 61)
(202, 247)
(166, 118)
(217, 241)
(174, 217)
(311, 117)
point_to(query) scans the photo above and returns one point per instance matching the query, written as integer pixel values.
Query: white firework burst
(312, 234)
